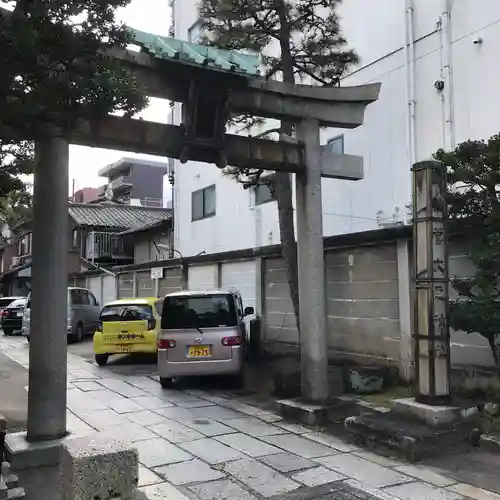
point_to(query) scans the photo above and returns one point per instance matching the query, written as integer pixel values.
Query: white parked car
(83, 314)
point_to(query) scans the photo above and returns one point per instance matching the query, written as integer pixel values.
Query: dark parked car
(5, 301)
(12, 316)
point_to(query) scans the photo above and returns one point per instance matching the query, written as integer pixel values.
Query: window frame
(337, 139)
(256, 202)
(204, 214)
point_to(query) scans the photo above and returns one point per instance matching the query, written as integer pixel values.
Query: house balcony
(108, 248)
(122, 182)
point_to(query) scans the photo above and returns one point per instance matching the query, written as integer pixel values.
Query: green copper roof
(192, 54)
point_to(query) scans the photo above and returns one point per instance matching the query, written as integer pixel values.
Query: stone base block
(99, 469)
(410, 438)
(490, 443)
(431, 415)
(315, 414)
(22, 454)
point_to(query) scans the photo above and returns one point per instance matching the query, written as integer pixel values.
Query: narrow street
(207, 444)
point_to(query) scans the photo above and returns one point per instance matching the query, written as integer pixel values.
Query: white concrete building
(436, 60)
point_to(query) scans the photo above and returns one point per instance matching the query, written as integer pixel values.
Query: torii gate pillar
(311, 267)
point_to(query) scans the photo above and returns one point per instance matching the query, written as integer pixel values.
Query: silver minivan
(202, 333)
(83, 314)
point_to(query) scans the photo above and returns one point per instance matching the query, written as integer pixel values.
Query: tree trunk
(283, 186)
(495, 350)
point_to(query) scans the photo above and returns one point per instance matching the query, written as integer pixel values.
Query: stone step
(16, 493)
(411, 439)
(490, 442)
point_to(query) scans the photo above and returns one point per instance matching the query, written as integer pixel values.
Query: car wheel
(166, 382)
(78, 335)
(8, 332)
(101, 359)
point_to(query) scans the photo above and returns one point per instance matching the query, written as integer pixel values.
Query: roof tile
(123, 217)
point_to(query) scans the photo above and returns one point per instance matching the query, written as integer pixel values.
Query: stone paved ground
(208, 445)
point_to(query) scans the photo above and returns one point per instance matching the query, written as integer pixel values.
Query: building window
(203, 203)
(196, 31)
(23, 245)
(262, 194)
(336, 144)
(74, 242)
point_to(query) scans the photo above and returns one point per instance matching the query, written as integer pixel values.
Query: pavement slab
(151, 402)
(331, 441)
(209, 427)
(148, 477)
(216, 413)
(254, 427)
(145, 417)
(425, 475)
(260, 478)
(298, 445)
(363, 471)
(317, 476)
(102, 419)
(121, 387)
(175, 432)
(124, 405)
(221, 490)
(193, 471)
(211, 451)
(87, 386)
(157, 452)
(176, 413)
(162, 491)
(473, 492)
(288, 462)
(130, 432)
(421, 491)
(105, 396)
(248, 445)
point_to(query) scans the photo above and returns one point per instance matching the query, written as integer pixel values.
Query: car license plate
(199, 351)
(124, 349)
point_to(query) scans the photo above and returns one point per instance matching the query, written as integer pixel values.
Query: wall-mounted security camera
(477, 41)
(439, 85)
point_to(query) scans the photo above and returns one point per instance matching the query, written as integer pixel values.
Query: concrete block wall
(369, 298)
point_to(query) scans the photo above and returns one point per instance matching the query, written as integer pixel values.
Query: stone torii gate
(212, 85)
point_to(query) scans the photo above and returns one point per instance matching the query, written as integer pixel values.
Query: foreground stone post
(432, 332)
(310, 260)
(48, 328)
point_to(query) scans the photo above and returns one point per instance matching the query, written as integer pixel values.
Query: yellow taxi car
(128, 326)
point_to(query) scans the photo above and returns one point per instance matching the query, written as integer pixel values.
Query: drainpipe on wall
(449, 141)
(409, 53)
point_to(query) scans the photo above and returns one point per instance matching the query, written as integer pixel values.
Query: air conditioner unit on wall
(16, 261)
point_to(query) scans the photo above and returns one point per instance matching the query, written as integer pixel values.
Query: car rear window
(17, 303)
(203, 311)
(5, 302)
(127, 312)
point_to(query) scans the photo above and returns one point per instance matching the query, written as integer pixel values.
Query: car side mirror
(249, 311)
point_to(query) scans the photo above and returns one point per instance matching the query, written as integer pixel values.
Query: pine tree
(474, 207)
(305, 35)
(54, 71)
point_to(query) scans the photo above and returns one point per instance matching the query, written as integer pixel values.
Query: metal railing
(102, 245)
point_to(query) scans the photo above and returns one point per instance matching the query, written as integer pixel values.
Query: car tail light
(231, 341)
(166, 344)
(4, 313)
(151, 324)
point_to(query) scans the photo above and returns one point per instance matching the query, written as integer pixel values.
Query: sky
(152, 16)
